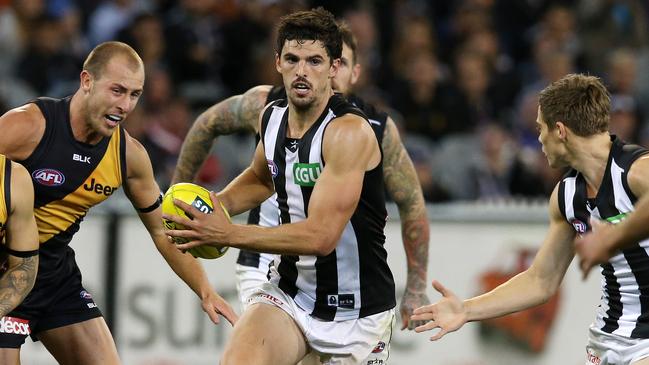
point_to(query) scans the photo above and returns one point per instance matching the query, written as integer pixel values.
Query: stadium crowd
(460, 78)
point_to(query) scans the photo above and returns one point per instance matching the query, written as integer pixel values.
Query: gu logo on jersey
(616, 219)
(379, 347)
(579, 226)
(48, 177)
(201, 205)
(272, 168)
(306, 174)
(341, 300)
(13, 325)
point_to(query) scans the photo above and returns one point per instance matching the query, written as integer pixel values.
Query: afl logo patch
(272, 168)
(579, 226)
(48, 177)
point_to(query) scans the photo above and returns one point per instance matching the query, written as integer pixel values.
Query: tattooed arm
(239, 113)
(22, 235)
(404, 188)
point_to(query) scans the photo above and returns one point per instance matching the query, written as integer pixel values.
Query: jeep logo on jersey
(99, 188)
(48, 177)
(305, 174)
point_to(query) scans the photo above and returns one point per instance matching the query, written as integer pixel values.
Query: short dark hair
(316, 25)
(581, 102)
(104, 52)
(349, 39)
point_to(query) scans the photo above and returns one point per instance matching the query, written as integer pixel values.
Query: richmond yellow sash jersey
(70, 176)
(5, 194)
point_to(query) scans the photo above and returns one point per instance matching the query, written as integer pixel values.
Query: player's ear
(356, 73)
(561, 130)
(333, 70)
(277, 63)
(85, 79)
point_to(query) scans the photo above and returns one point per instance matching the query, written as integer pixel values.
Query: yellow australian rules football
(199, 198)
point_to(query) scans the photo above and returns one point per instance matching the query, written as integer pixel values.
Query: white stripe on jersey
(271, 134)
(348, 279)
(622, 201)
(569, 195)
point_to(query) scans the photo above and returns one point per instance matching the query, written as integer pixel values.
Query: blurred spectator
(112, 16)
(608, 24)
(46, 65)
(626, 114)
(16, 25)
(145, 35)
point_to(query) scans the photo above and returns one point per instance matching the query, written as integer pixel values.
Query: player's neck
(300, 120)
(590, 157)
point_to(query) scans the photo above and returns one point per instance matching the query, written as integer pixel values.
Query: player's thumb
(441, 289)
(595, 223)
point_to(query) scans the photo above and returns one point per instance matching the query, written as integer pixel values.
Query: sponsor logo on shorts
(579, 226)
(85, 295)
(269, 298)
(13, 325)
(341, 300)
(48, 177)
(592, 358)
(379, 347)
(375, 362)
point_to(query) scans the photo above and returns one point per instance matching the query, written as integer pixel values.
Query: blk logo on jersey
(77, 157)
(48, 177)
(13, 325)
(306, 174)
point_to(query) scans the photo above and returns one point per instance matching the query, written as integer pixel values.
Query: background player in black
(240, 113)
(111, 83)
(19, 243)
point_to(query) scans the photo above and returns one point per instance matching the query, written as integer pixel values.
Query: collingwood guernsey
(624, 306)
(354, 280)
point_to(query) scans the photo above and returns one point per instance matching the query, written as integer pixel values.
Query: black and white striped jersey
(624, 306)
(267, 214)
(353, 281)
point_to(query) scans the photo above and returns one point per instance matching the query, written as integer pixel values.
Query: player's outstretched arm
(532, 287)
(403, 187)
(144, 192)
(239, 113)
(604, 240)
(22, 242)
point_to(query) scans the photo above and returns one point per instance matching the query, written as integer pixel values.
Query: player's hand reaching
(204, 229)
(448, 314)
(594, 247)
(409, 302)
(213, 304)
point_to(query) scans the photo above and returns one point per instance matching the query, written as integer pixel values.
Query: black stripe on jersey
(250, 258)
(579, 201)
(628, 157)
(635, 257)
(266, 116)
(287, 268)
(614, 311)
(8, 187)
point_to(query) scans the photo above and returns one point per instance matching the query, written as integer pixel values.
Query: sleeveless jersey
(624, 305)
(267, 214)
(5, 194)
(353, 281)
(69, 177)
